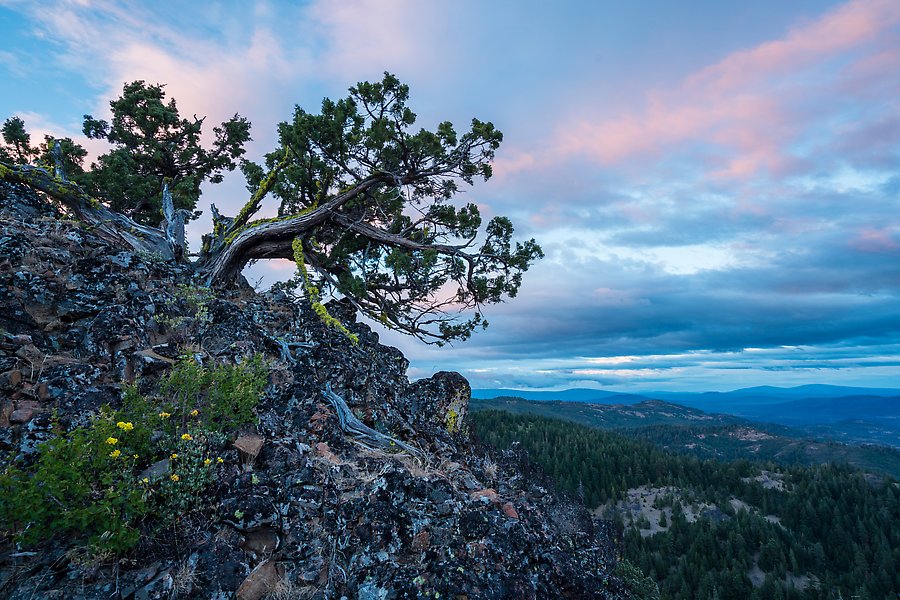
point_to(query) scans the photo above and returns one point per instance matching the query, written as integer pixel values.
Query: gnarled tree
(366, 211)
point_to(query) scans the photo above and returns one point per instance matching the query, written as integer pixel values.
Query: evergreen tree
(154, 143)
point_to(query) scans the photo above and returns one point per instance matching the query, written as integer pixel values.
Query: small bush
(223, 396)
(640, 585)
(95, 480)
(79, 483)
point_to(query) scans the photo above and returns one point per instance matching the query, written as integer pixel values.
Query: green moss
(265, 185)
(312, 292)
(258, 222)
(452, 421)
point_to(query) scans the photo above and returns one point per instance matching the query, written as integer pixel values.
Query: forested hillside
(708, 435)
(723, 529)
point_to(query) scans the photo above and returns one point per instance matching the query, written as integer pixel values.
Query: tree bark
(232, 247)
(233, 243)
(174, 223)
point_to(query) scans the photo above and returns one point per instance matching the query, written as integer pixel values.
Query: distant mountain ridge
(759, 392)
(570, 395)
(771, 395)
(846, 414)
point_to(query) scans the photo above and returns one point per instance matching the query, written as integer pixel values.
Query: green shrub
(640, 585)
(82, 482)
(94, 480)
(224, 396)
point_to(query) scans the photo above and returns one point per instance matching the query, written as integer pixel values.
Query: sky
(716, 184)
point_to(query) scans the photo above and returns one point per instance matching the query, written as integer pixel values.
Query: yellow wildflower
(112, 441)
(206, 462)
(164, 415)
(186, 437)
(174, 477)
(145, 480)
(195, 412)
(125, 426)
(174, 456)
(134, 456)
(115, 453)
(219, 460)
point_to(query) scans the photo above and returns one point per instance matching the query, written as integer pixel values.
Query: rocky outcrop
(301, 509)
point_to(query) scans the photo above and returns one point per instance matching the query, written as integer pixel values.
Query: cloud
(362, 38)
(743, 114)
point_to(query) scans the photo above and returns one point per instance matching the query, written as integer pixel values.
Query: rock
(21, 415)
(422, 540)
(488, 495)
(157, 470)
(138, 579)
(442, 399)
(250, 445)
(371, 591)
(249, 510)
(21, 340)
(263, 541)
(10, 380)
(510, 511)
(25, 411)
(122, 259)
(150, 357)
(261, 581)
(159, 588)
(32, 355)
(42, 391)
(6, 410)
(325, 452)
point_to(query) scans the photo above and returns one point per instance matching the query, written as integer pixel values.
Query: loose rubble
(301, 510)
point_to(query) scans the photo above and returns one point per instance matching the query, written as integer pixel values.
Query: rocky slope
(299, 509)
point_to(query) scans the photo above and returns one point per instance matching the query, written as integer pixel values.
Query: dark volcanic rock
(305, 509)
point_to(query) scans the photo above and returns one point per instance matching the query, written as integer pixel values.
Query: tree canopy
(17, 149)
(154, 143)
(368, 205)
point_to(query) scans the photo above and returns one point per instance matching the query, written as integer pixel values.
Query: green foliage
(192, 298)
(78, 484)
(834, 526)
(640, 586)
(17, 142)
(17, 149)
(393, 240)
(94, 481)
(153, 143)
(225, 396)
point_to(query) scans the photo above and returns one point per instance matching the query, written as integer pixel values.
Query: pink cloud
(876, 241)
(365, 37)
(840, 30)
(743, 112)
(510, 163)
